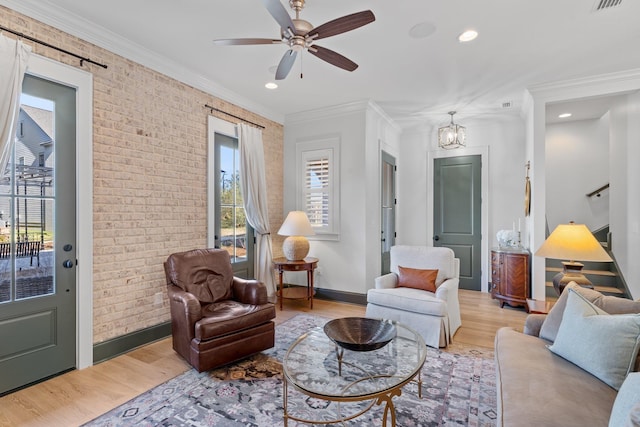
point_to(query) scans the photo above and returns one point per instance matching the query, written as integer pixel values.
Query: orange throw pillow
(418, 279)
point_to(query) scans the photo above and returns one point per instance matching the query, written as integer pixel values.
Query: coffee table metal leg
(339, 355)
(389, 406)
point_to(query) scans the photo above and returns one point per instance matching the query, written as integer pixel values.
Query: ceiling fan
(300, 35)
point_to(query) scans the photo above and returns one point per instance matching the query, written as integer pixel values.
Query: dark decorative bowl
(360, 333)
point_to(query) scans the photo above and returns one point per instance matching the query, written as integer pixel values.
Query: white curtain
(254, 194)
(14, 56)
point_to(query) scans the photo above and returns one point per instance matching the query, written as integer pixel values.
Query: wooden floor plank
(79, 396)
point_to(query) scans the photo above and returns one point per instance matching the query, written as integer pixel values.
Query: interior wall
(505, 138)
(150, 176)
(623, 155)
(625, 197)
(341, 265)
(350, 263)
(577, 158)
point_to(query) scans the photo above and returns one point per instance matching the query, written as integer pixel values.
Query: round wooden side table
(308, 264)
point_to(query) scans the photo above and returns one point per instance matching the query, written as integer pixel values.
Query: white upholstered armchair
(435, 315)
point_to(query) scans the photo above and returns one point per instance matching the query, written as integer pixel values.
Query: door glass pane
(232, 217)
(26, 206)
(241, 234)
(33, 247)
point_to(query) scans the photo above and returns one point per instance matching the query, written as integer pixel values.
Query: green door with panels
(457, 214)
(388, 214)
(37, 239)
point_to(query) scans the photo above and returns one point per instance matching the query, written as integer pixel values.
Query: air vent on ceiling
(606, 4)
(506, 104)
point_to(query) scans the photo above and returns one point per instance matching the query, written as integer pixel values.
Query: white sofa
(436, 316)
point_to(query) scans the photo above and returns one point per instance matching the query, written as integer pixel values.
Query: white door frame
(82, 81)
(483, 152)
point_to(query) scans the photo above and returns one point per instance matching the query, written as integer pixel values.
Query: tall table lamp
(296, 226)
(576, 243)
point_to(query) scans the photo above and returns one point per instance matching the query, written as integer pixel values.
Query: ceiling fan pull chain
(301, 59)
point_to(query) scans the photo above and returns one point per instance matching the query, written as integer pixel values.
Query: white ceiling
(521, 43)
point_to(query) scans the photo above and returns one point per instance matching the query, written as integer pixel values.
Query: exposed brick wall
(150, 176)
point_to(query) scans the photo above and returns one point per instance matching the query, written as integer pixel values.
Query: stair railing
(598, 191)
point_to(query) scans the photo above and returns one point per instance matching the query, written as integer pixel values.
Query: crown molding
(383, 114)
(45, 12)
(327, 112)
(621, 81)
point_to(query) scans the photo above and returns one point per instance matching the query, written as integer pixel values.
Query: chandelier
(452, 136)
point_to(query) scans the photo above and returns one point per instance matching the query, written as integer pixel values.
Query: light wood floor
(79, 396)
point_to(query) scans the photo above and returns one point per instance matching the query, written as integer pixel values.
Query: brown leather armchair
(216, 318)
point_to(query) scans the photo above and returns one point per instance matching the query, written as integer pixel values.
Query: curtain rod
(231, 115)
(24, 36)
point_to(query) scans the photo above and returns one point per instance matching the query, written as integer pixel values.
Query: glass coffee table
(315, 366)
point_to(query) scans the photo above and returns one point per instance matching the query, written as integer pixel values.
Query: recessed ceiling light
(271, 85)
(564, 115)
(467, 36)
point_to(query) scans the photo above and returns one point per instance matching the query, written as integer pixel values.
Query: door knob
(67, 263)
(436, 237)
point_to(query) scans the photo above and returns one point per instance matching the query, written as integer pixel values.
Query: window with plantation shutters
(316, 191)
(318, 172)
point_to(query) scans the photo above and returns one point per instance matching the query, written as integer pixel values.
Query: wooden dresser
(511, 276)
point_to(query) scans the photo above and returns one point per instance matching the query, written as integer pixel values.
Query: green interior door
(388, 198)
(37, 239)
(457, 214)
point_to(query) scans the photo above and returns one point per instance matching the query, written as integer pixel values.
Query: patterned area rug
(458, 389)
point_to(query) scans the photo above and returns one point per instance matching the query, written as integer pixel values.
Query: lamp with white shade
(296, 226)
(574, 242)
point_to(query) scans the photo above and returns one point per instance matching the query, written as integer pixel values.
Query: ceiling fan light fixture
(452, 136)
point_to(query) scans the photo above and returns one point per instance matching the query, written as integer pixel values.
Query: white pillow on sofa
(626, 408)
(610, 304)
(604, 345)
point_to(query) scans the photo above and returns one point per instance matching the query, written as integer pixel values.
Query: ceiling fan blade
(333, 58)
(237, 42)
(285, 65)
(342, 25)
(279, 13)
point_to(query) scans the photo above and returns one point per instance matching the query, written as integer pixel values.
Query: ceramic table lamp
(296, 226)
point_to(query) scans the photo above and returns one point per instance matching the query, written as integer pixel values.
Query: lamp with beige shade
(296, 226)
(574, 242)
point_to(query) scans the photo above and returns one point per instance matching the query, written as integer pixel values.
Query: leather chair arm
(249, 291)
(387, 281)
(185, 309)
